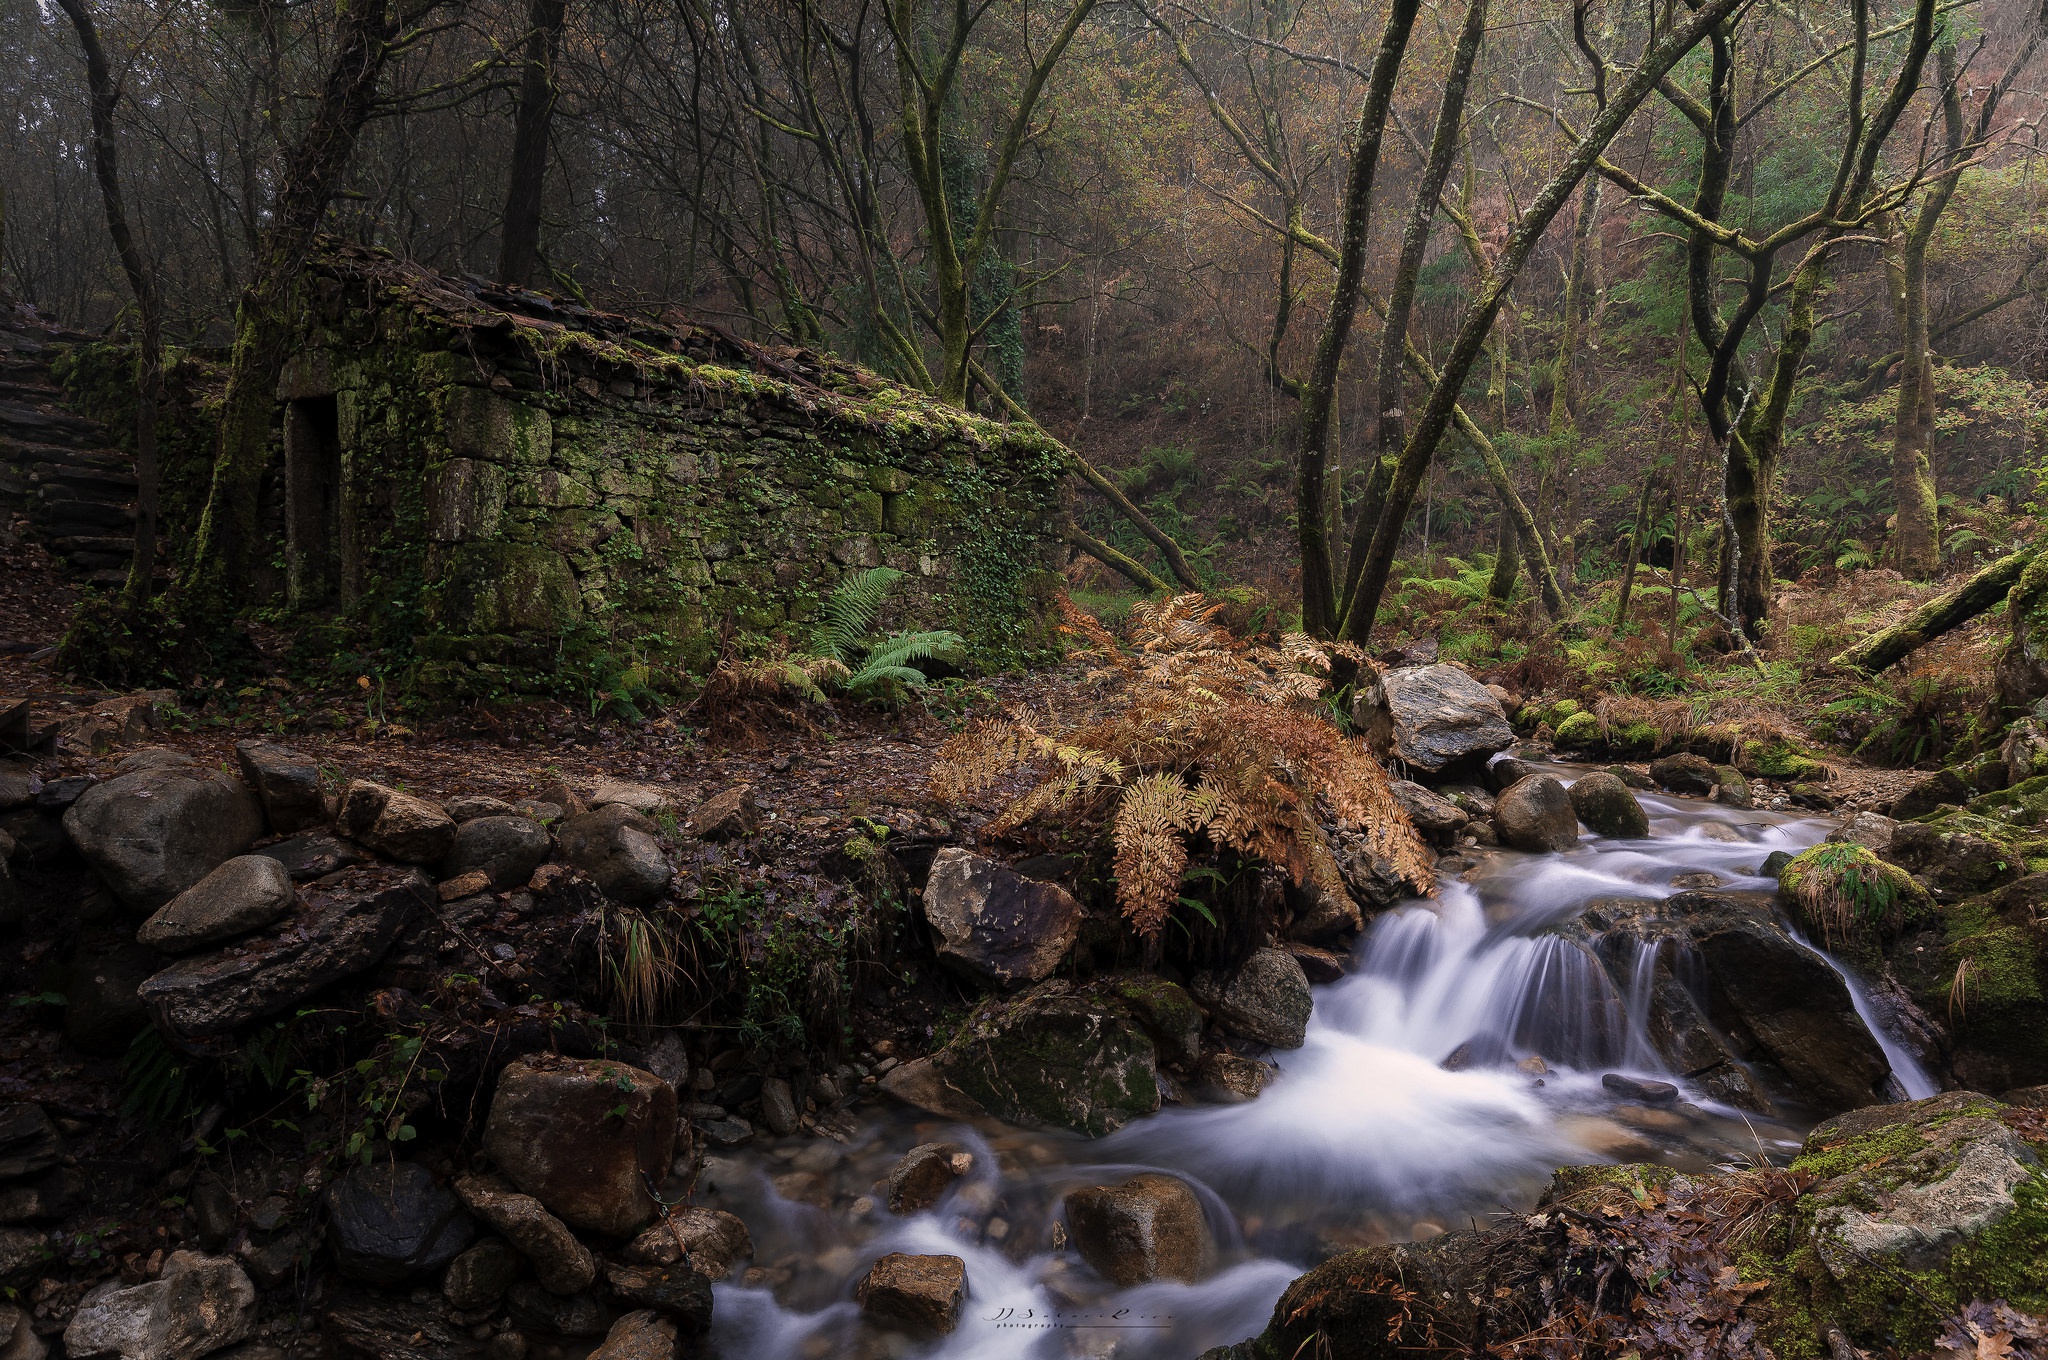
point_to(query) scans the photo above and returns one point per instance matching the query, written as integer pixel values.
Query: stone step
(87, 515)
(82, 476)
(88, 543)
(57, 455)
(49, 427)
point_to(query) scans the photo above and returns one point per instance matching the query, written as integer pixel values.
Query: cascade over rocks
(583, 1136)
(154, 833)
(1433, 719)
(995, 924)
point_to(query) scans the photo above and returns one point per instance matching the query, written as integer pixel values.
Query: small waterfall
(1908, 1072)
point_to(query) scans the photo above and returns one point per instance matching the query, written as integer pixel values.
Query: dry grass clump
(1845, 891)
(1200, 735)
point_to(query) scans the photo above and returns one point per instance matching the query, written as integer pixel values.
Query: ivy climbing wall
(499, 481)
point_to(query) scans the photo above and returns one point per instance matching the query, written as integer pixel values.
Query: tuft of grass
(1846, 892)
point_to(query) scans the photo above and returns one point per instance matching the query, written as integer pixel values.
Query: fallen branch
(1109, 557)
(1940, 614)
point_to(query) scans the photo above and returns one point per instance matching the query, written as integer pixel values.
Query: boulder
(154, 833)
(342, 926)
(390, 1223)
(19, 786)
(1230, 1079)
(470, 806)
(1267, 1000)
(1957, 862)
(287, 783)
(1684, 773)
(642, 1335)
(727, 816)
(245, 893)
(1149, 1228)
(994, 924)
(1635, 1088)
(395, 825)
(315, 854)
(561, 1263)
(1535, 814)
(24, 1254)
(616, 847)
(196, 1306)
(918, 1293)
(359, 1328)
(778, 1107)
(507, 849)
(645, 799)
(1050, 1057)
(678, 1292)
(924, 1174)
(1504, 772)
(103, 1011)
(1437, 818)
(715, 1240)
(479, 1277)
(583, 1136)
(1433, 718)
(1605, 804)
(1732, 788)
(1923, 796)
(1868, 829)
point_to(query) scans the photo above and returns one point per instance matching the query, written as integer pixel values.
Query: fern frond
(900, 649)
(850, 611)
(1150, 855)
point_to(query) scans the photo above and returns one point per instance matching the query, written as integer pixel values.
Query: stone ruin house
(496, 480)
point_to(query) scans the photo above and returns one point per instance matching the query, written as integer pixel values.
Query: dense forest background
(1147, 203)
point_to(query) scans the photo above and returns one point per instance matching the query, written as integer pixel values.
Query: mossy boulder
(1577, 730)
(1056, 1057)
(1606, 805)
(1847, 894)
(1981, 965)
(1781, 760)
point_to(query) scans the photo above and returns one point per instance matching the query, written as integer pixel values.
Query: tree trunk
(1938, 615)
(1635, 549)
(1915, 546)
(519, 245)
(1506, 561)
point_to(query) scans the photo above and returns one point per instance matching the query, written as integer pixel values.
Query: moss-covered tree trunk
(519, 242)
(1915, 548)
(1507, 560)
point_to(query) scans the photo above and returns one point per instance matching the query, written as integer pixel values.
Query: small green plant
(1847, 892)
(876, 669)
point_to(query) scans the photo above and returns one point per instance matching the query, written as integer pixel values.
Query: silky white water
(1363, 1136)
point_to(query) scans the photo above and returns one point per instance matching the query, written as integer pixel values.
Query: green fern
(844, 655)
(887, 671)
(850, 613)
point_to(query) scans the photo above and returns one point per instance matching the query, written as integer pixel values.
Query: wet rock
(1229, 1079)
(561, 1263)
(1504, 772)
(1867, 829)
(645, 799)
(1268, 1000)
(1684, 773)
(677, 1292)
(287, 784)
(507, 849)
(616, 847)
(389, 1329)
(245, 893)
(1774, 863)
(1605, 804)
(583, 1137)
(1635, 1088)
(395, 825)
(390, 1223)
(923, 1175)
(644, 1335)
(1433, 719)
(1050, 1057)
(29, 1142)
(479, 1277)
(994, 924)
(533, 1309)
(1930, 794)
(103, 1013)
(1164, 1010)
(726, 1133)
(1439, 819)
(195, 1307)
(1320, 966)
(1535, 814)
(341, 928)
(154, 833)
(716, 1241)
(1732, 788)
(921, 1293)
(730, 815)
(1149, 1228)
(1474, 800)
(313, 855)
(778, 1107)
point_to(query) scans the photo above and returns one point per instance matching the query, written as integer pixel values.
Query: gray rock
(995, 924)
(18, 1339)
(287, 783)
(390, 1223)
(645, 799)
(1635, 1088)
(469, 807)
(19, 786)
(1731, 786)
(1267, 1001)
(245, 893)
(616, 847)
(342, 927)
(561, 1263)
(1435, 817)
(1504, 772)
(1943, 787)
(395, 825)
(314, 854)
(198, 1305)
(509, 849)
(29, 1142)
(921, 1293)
(1535, 814)
(583, 1137)
(154, 833)
(102, 1012)
(1684, 773)
(1149, 1228)
(778, 1107)
(924, 1174)
(1050, 1057)
(1432, 718)
(24, 1255)
(153, 758)
(730, 815)
(1868, 829)
(678, 1292)
(479, 1277)
(1605, 804)
(642, 1335)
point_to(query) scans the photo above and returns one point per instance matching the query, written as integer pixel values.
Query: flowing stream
(1364, 1136)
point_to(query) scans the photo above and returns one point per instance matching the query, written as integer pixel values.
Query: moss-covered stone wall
(493, 486)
